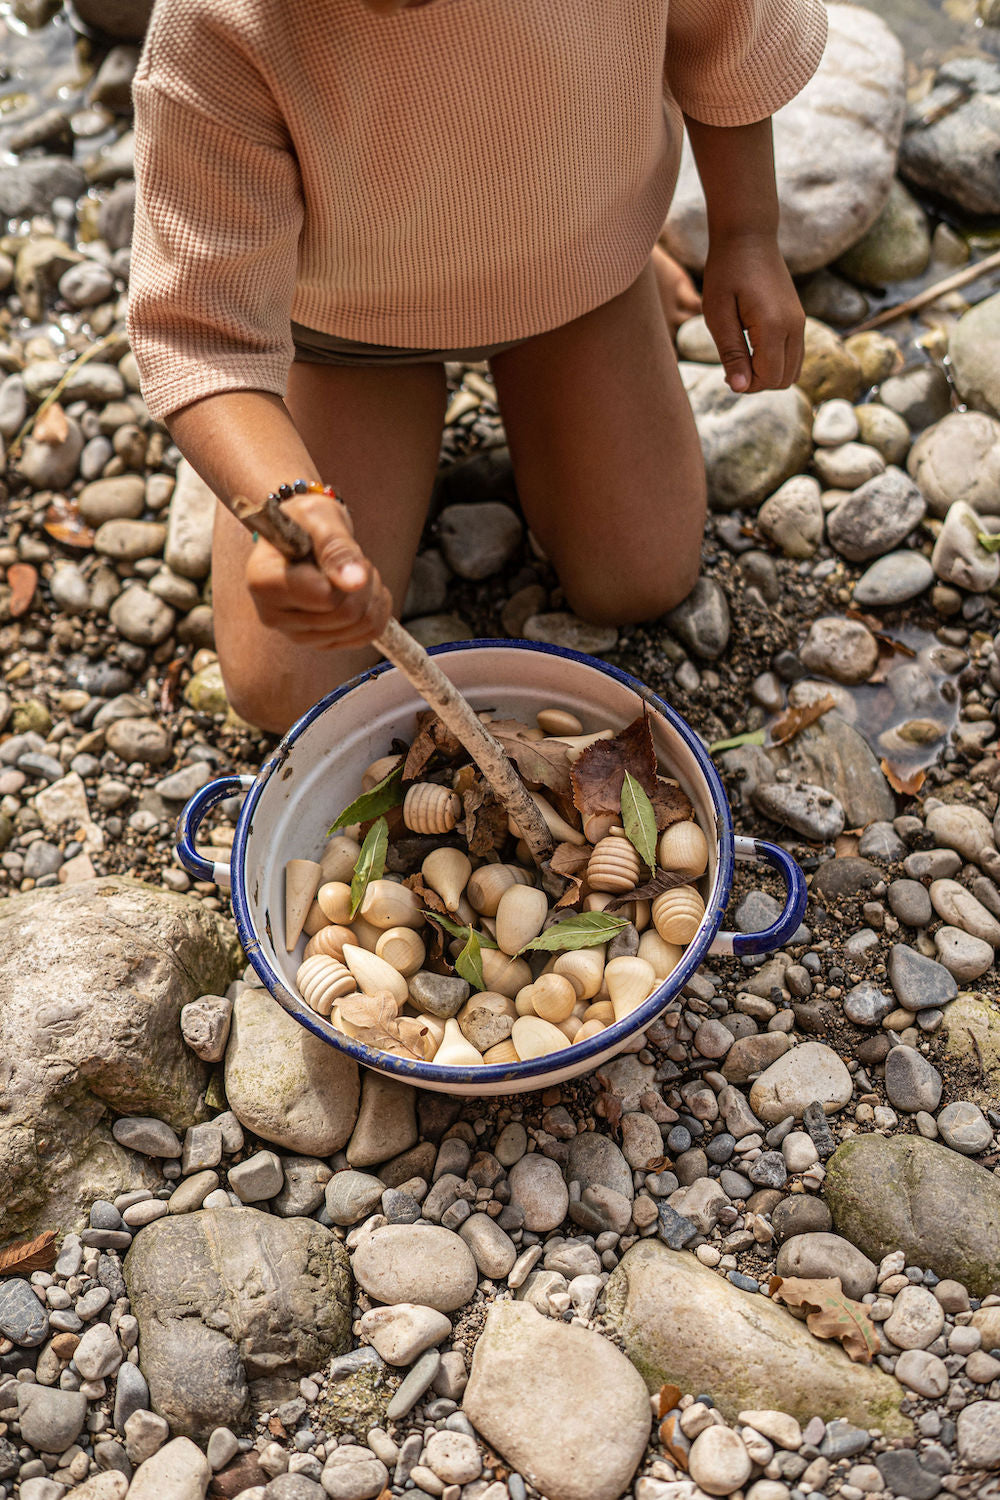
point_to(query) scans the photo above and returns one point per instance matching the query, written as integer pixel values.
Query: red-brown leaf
(571, 861)
(51, 426)
(24, 1256)
(796, 717)
(540, 762)
(485, 816)
(22, 580)
(432, 737)
(905, 785)
(829, 1313)
(599, 771)
(63, 524)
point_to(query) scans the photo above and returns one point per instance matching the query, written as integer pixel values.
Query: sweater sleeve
(218, 216)
(733, 62)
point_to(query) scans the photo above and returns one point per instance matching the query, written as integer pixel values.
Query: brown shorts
(315, 348)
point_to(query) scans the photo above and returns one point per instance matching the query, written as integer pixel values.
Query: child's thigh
(606, 456)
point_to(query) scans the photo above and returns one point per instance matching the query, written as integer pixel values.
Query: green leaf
(639, 820)
(588, 930)
(469, 962)
(370, 862)
(387, 793)
(752, 737)
(460, 930)
(989, 541)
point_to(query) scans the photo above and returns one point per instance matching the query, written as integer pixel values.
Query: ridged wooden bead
(403, 948)
(487, 884)
(520, 916)
(330, 942)
(429, 808)
(614, 865)
(322, 981)
(684, 848)
(678, 914)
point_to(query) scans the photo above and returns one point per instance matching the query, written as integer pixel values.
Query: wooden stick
(930, 293)
(397, 645)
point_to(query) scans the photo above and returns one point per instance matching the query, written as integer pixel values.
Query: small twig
(931, 293)
(397, 645)
(109, 338)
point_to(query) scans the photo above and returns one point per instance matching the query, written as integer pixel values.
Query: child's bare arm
(746, 284)
(245, 443)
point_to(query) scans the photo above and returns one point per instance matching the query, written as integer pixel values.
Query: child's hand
(747, 286)
(335, 601)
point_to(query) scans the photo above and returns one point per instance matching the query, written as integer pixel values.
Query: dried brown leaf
(796, 717)
(663, 880)
(540, 762)
(367, 1010)
(608, 1105)
(63, 524)
(51, 426)
(571, 861)
(22, 579)
(907, 785)
(829, 1313)
(670, 803)
(432, 737)
(24, 1256)
(599, 771)
(845, 845)
(485, 817)
(430, 898)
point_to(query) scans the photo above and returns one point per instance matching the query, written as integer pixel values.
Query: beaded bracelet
(304, 487)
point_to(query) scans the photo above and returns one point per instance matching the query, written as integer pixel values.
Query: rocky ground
(275, 1278)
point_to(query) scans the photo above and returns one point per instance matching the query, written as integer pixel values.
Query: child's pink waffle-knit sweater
(465, 173)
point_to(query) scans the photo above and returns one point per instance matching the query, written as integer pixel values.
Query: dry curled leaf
(433, 737)
(663, 880)
(25, 1256)
(428, 897)
(485, 817)
(22, 580)
(377, 1024)
(570, 861)
(829, 1313)
(607, 1104)
(51, 426)
(906, 785)
(796, 717)
(63, 524)
(540, 762)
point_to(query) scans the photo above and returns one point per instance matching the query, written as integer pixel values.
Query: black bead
(285, 492)
(300, 487)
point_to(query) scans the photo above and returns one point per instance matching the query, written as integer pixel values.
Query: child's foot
(678, 294)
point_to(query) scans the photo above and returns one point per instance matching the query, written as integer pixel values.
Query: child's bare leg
(375, 434)
(678, 294)
(607, 458)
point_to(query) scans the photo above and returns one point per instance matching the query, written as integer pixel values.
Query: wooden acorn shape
(374, 976)
(429, 808)
(558, 722)
(629, 981)
(378, 771)
(533, 1037)
(339, 858)
(434, 1027)
(388, 903)
(447, 872)
(503, 1052)
(552, 997)
(403, 948)
(584, 969)
(302, 877)
(614, 865)
(520, 916)
(334, 897)
(487, 884)
(454, 1050)
(684, 848)
(321, 981)
(677, 914)
(600, 1010)
(561, 831)
(330, 942)
(589, 1029)
(663, 956)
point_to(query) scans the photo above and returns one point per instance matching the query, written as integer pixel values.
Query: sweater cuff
(755, 85)
(175, 381)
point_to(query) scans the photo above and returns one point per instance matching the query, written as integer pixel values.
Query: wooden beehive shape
(677, 914)
(330, 942)
(614, 865)
(322, 981)
(429, 808)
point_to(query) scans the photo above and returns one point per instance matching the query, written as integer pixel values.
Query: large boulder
(93, 978)
(234, 1307)
(906, 1193)
(972, 1039)
(953, 135)
(835, 150)
(682, 1324)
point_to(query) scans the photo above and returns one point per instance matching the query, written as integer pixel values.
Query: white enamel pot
(316, 771)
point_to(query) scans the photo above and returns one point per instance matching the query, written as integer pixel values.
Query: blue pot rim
(493, 1075)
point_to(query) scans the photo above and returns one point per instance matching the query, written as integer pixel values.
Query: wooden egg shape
(663, 956)
(322, 980)
(487, 884)
(374, 976)
(520, 916)
(454, 1051)
(315, 920)
(503, 1052)
(334, 897)
(387, 903)
(561, 831)
(523, 1003)
(302, 877)
(684, 848)
(558, 722)
(629, 981)
(434, 1027)
(600, 1010)
(598, 900)
(677, 914)
(614, 865)
(447, 871)
(403, 948)
(570, 1027)
(339, 858)
(597, 826)
(378, 771)
(533, 1037)
(429, 808)
(330, 941)
(553, 997)
(589, 1029)
(365, 935)
(584, 968)
(503, 974)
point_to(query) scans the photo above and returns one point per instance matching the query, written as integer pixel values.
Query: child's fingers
(769, 361)
(337, 553)
(727, 331)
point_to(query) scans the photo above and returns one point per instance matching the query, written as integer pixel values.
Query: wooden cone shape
(302, 877)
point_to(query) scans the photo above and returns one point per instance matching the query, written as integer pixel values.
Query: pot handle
(735, 944)
(190, 820)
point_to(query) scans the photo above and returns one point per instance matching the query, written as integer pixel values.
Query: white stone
(958, 458)
(959, 907)
(792, 517)
(719, 1461)
(799, 1152)
(454, 1457)
(400, 1334)
(922, 1372)
(809, 1071)
(835, 422)
(776, 1425)
(848, 466)
(419, 1263)
(979, 1435)
(179, 1471)
(962, 828)
(98, 1353)
(916, 1319)
(188, 549)
(537, 1187)
(958, 557)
